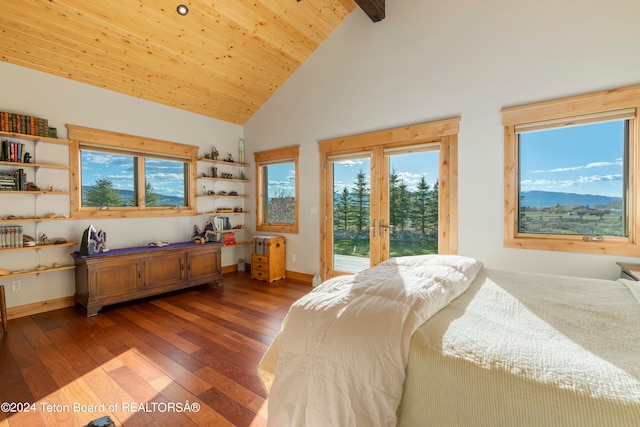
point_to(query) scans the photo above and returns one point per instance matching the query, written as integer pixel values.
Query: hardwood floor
(182, 359)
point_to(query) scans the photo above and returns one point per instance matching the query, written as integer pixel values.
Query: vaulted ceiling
(223, 59)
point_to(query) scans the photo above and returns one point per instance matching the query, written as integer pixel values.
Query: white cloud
(618, 162)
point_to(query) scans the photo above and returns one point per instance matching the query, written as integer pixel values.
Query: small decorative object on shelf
(208, 233)
(316, 280)
(214, 153)
(93, 241)
(241, 150)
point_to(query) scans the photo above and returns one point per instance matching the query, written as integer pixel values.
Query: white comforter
(343, 347)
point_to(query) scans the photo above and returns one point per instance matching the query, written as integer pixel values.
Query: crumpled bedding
(341, 354)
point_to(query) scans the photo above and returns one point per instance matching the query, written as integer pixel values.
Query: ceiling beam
(373, 8)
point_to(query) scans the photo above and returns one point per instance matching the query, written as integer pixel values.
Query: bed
(501, 349)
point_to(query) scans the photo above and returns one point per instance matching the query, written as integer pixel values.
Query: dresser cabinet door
(204, 265)
(114, 279)
(164, 269)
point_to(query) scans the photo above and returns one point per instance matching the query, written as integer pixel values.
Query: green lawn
(360, 247)
(563, 223)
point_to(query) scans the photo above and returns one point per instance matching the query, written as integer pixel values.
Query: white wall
(438, 59)
(63, 101)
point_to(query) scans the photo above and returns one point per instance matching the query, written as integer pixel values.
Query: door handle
(373, 226)
(382, 227)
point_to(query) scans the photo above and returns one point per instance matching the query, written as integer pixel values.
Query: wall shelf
(220, 196)
(33, 144)
(223, 213)
(36, 193)
(223, 179)
(32, 219)
(209, 183)
(34, 165)
(48, 246)
(222, 162)
(35, 138)
(37, 272)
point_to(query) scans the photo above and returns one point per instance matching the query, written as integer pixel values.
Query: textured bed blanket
(525, 349)
(343, 347)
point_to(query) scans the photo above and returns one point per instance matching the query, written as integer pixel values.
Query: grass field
(608, 224)
(360, 247)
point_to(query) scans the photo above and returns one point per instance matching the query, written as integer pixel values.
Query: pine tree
(102, 193)
(404, 205)
(360, 202)
(150, 198)
(432, 210)
(420, 207)
(341, 213)
(394, 207)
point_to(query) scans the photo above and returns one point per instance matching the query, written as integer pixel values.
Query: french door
(387, 194)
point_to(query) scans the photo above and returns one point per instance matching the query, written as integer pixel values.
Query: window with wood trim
(571, 178)
(277, 184)
(119, 176)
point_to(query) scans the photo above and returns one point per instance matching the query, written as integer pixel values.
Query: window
(571, 174)
(277, 200)
(126, 176)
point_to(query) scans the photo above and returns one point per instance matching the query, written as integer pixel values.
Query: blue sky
(410, 167)
(166, 177)
(585, 159)
(282, 179)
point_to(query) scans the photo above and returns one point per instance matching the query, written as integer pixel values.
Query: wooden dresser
(268, 258)
(126, 274)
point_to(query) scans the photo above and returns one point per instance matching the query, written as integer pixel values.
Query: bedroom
(424, 62)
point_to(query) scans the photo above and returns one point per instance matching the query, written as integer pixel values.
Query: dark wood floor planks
(142, 362)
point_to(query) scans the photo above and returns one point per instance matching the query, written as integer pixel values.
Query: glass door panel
(351, 250)
(411, 223)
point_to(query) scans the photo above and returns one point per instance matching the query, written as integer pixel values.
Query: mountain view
(543, 199)
(163, 200)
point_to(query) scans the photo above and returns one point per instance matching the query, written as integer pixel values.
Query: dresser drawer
(259, 265)
(259, 259)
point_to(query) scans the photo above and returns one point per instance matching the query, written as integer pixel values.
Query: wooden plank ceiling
(224, 59)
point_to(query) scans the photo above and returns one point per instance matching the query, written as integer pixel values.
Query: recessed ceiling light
(182, 9)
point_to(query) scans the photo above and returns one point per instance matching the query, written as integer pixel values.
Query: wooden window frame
(571, 110)
(82, 137)
(264, 158)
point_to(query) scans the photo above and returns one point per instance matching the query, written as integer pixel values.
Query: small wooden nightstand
(268, 258)
(629, 271)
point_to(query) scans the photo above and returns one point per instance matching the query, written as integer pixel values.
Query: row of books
(13, 181)
(11, 236)
(229, 239)
(12, 151)
(21, 123)
(222, 223)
